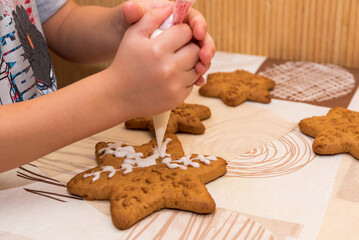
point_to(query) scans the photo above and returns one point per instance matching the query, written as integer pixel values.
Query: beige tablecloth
(275, 187)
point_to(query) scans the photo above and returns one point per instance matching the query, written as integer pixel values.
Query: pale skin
(147, 76)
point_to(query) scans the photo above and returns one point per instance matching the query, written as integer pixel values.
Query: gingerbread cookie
(236, 87)
(184, 118)
(337, 132)
(139, 180)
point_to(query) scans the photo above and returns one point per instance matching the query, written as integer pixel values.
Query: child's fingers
(190, 77)
(175, 37)
(201, 68)
(155, 4)
(208, 49)
(187, 57)
(197, 22)
(152, 19)
(132, 12)
(200, 81)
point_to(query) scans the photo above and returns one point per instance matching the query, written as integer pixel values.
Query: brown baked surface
(236, 87)
(184, 118)
(337, 132)
(139, 193)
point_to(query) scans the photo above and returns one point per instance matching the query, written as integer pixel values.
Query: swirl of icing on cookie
(188, 161)
(134, 159)
(117, 150)
(96, 175)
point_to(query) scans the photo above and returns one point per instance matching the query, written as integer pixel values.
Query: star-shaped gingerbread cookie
(337, 132)
(139, 180)
(238, 86)
(184, 118)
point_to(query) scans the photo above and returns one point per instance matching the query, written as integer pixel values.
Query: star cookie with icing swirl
(139, 180)
(184, 118)
(337, 132)
(236, 87)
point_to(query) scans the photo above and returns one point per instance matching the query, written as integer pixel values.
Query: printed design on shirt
(26, 69)
(9, 4)
(4, 75)
(35, 49)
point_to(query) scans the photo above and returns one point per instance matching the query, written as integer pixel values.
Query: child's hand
(207, 47)
(134, 9)
(150, 76)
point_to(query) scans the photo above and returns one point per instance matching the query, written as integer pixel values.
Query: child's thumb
(132, 12)
(153, 19)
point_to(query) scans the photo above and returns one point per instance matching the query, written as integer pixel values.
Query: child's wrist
(113, 94)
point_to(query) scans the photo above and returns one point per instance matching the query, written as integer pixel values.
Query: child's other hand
(150, 76)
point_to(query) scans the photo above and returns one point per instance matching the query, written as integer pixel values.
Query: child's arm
(147, 77)
(90, 34)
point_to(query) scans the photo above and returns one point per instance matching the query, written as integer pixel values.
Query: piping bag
(179, 12)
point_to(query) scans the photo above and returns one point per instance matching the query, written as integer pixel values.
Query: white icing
(160, 122)
(96, 175)
(186, 161)
(135, 159)
(157, 32)
(118, 151)
(167, 23)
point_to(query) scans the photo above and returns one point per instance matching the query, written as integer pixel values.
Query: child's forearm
(87, 34)
(91, 34)
(144, 79)
(34, 128)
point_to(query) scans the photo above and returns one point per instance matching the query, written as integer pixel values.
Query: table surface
(281, 189)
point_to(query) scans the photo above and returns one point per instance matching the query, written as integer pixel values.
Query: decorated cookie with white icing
(139, 180)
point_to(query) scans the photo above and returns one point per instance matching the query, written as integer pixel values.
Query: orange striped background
(313, 30)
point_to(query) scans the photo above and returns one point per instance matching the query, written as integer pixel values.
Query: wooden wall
(315, 30)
